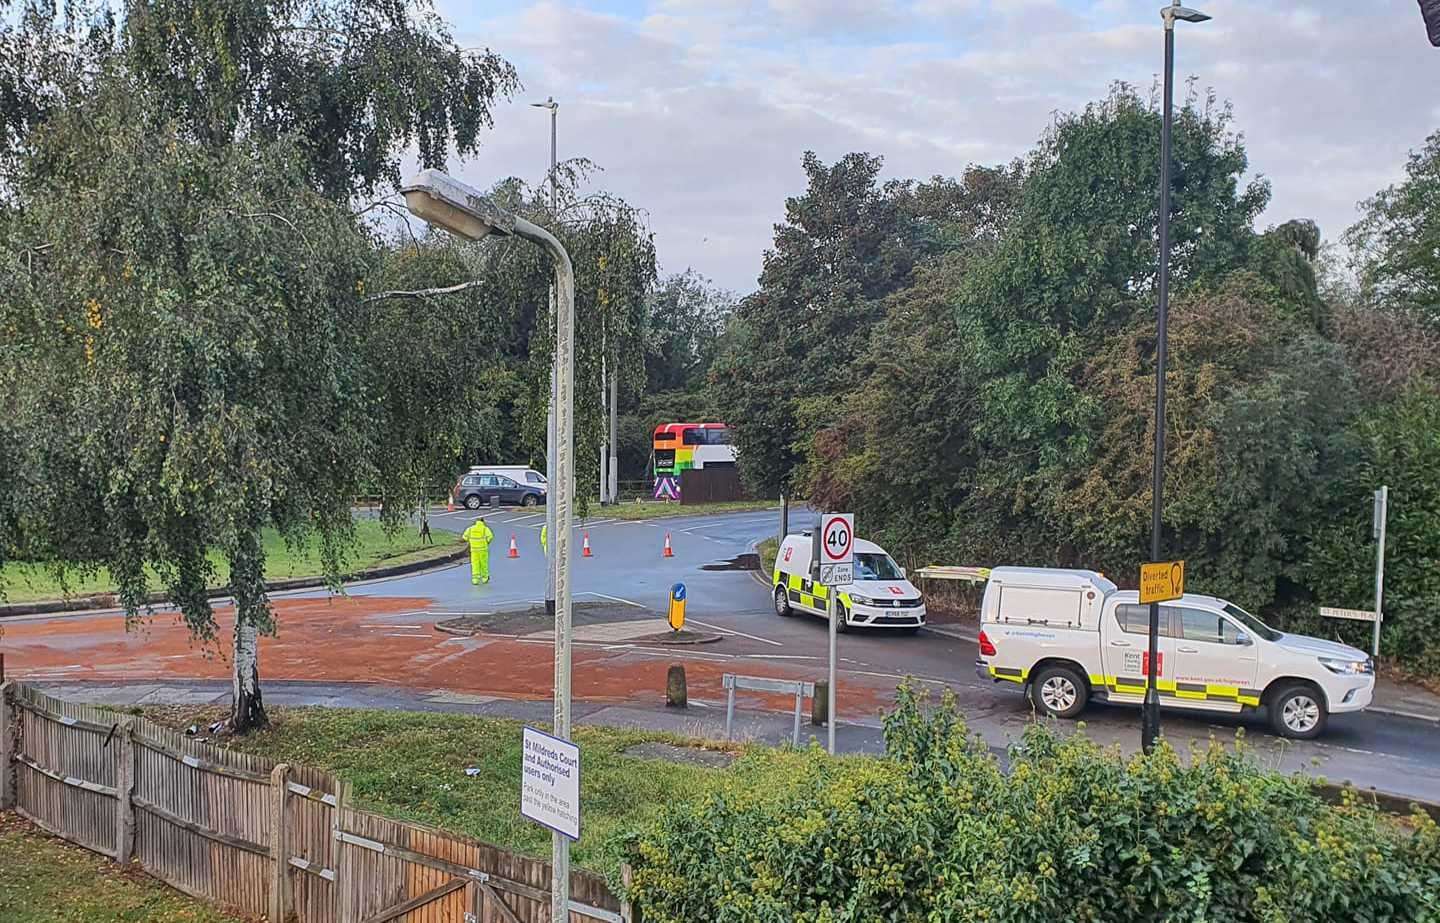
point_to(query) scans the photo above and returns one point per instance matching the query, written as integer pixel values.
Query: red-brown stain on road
(388, 640)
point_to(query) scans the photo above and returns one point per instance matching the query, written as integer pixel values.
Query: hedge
(938, 831)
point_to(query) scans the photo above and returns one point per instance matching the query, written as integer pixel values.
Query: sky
(698, 111)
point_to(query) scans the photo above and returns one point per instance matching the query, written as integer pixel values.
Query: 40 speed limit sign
(837, 549)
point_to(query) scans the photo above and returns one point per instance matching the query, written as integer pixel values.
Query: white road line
(731, 631)
(593, 523)
(527, 516)
(781, 657)
(618, 599)
(411, 627)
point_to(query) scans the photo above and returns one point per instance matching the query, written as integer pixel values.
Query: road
(383, 634)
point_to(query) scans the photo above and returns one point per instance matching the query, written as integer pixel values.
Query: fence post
(8, 745)
(343, 890)
(279, 850)
(125, 793)
(628, 913)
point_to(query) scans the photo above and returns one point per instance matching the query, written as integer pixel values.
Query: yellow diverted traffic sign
(1162, 581)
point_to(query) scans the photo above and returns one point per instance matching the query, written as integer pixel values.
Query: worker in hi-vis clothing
(479, 536)
(544, 545)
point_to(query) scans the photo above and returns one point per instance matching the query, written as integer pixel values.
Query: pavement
(377, 646)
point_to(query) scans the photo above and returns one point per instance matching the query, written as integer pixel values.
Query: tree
(324, 94)
(686, 319)
(1396, 242)
(182, 364)
(846, 243)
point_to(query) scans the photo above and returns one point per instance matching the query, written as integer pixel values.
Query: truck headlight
(1348, 667)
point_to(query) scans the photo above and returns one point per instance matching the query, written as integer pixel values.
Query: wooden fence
(259, 837)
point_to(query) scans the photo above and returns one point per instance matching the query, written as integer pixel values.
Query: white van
(520, 474)
(880, 595)
(1068, 636)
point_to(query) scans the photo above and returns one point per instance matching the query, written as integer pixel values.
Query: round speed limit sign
(837, 538)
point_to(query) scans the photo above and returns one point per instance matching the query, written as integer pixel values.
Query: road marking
(618, 599)
(526, 516)
(731, 631)
(395, 635)
(411, 627)
(781, 657)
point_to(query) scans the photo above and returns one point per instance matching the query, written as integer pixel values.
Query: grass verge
(373, 548)
(659, 509)
(45, 880)
(412, 765)
(767, 550)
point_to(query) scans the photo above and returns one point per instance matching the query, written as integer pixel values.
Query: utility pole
(550, 468)
(1150, 718)
(1382, 514)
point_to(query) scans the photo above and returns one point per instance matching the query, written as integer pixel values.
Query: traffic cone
(669, 552)
(450, 503)
(514, 552)
(585, 546)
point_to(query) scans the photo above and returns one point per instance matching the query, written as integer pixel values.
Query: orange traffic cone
(585, 547)
(450, 503)
(669, 552)
(514, 552)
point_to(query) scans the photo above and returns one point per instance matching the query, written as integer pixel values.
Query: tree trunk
(248, 712)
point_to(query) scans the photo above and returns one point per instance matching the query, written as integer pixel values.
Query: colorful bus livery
(681, 446)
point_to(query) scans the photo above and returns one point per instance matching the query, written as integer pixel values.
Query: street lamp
(445, 202)
(1150, 716)
(554, 108)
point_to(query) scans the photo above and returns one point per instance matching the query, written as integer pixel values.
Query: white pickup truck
(1068, 636)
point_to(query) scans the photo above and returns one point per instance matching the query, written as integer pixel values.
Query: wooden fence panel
(65, 769)
(310, 819)
(213, 822)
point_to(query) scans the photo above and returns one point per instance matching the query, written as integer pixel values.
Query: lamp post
(554, 108)
(445, 202)
(1150, 719)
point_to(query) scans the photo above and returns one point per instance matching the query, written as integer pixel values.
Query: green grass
(659, 509)
(45, 880)
(412, 765)
(373, 548)
(767, 550)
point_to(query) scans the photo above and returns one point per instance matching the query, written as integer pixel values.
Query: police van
(1068, 636)
(880, 596)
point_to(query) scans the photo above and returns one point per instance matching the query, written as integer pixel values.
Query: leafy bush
(938, 831)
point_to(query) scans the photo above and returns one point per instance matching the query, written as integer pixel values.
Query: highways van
(880, 596)
(1070, 636)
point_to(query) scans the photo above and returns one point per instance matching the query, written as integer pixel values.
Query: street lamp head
(439, 199)
(1184, 13)
(549, 103)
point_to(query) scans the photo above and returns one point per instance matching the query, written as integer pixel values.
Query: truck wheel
(782, 603)
(472, 502)
(1298, 712)
(1058, 691)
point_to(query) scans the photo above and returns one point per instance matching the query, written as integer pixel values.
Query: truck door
(1125, 643)
(1211, 665)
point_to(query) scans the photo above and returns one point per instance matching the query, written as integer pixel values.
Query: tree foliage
(1000, 350)
(1397, 240)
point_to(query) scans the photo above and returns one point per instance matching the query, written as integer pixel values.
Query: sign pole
(1382, 511)
(830, 685)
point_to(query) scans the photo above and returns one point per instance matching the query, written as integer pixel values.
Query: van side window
(1210, 627)
(1135, 619)
(532, 478)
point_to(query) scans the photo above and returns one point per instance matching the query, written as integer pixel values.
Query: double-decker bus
(680, 446)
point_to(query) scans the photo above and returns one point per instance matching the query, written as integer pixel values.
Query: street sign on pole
(837, 568)
(1162, 581)
(1382, 514)
(1354, 615)
(550, 782)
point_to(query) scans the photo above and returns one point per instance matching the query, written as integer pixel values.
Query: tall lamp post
(1150, 721)
(554, 108)
(443, 201)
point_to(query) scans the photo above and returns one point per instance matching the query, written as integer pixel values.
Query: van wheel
(472, 502)
(1298, 712)
(1058, 691)
(842, 619)
(782, 603)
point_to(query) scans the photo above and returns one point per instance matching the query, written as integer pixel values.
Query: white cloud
(699, 110)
